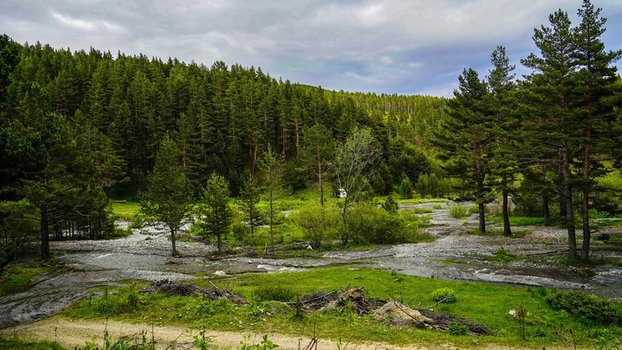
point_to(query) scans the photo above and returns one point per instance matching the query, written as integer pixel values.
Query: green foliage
(249, 196)
(354, 166)
(272, 164)
(502, 255)
(369, 224)
(457, 211)
(16, 278)
(214, 212)
(265, 344)
(125, 210)
(320, 224)
(18, 229)
(168, 195)
(406, 187)
(588, 308)
(19, 344)
(431, 185)
(457, 328)
(444, 295)
(481, 303)
(240, 231)
(390, 205)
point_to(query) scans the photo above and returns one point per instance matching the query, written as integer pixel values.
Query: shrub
(274, 293)
(240, 230)
(406, 187)
(457, 328)
(503, 255)
(431, 185)
(390, 205)
(586, 307)
(457, 211)
(369, 224)
(444, 295)
(318, 223)
(138, 221)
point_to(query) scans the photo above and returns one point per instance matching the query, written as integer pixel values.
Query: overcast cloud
(390, 46)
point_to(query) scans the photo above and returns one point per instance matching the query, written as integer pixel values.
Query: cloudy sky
(390, 46)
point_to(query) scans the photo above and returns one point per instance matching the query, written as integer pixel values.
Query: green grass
(19, 277)
(486, 304)
(19, 344)
(125, 210)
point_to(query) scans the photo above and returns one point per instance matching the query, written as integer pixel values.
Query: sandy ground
(75, 333)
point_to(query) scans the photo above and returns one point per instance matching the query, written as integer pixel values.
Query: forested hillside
(90, 123)
(221, 117)
(80, 128)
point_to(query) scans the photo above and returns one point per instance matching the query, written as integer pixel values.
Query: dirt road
(75, 333)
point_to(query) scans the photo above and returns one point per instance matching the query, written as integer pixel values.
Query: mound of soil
(188, 289)
(391, 312)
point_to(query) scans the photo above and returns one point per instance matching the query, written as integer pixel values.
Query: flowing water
(453, 255)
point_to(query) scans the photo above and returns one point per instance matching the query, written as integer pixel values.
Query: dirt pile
(188, 289)
(398, 314)
(389, 311)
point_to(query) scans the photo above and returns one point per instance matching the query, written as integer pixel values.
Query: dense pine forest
(79, 129)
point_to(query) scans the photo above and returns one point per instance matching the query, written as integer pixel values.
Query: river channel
(454, 255)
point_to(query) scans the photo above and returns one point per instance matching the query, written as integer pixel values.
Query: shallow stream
(453, 255)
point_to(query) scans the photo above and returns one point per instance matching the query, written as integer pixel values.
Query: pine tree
(596, 78)
(316, 151)
(168, 194)
(552, 86)
(501, 106)
(467, 137)
(215, 211)
(271, 164)
(249, 194)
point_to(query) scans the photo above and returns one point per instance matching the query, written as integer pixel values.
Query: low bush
(406, 187)
(240, 230)
(369, 224)
(503, 255)
(431, 185)
(457, 212)
(457, 328)
(588, 308)
(319, 224)
(444, 295)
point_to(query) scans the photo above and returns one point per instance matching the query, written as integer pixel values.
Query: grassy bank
(485, 304)
(18, 277)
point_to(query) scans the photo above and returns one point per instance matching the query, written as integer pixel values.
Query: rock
(402, 315)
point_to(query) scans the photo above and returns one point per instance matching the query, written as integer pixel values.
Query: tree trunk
(344, 213)
(254, 160)
(587, 158)
(480, 198)
(572, 239)
(545, 210)
(507, 231)
(251, 219)
(562, 204)
(44, 233)
(320, 178)
(173, 238)
(482, 218)
(270, 223)
(219, 242)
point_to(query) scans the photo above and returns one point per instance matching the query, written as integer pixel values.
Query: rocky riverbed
(455, 255)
